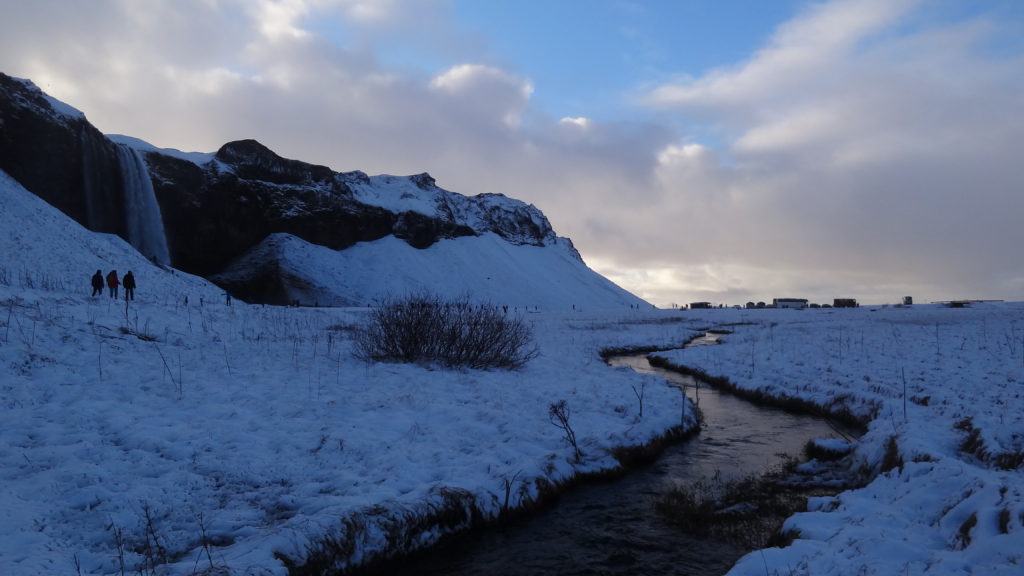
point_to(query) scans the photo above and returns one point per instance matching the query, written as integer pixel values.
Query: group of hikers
(112, 283)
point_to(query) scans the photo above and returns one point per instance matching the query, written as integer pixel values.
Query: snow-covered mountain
(276, 230)
(486, 267)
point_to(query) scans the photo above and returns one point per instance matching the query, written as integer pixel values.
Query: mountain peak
(253, 161)
(26, 94)
(246, 149)
(424, 181)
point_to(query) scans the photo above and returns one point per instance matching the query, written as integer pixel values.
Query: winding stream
(611, 528)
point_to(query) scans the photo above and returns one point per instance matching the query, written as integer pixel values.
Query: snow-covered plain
(947, 384)
(254, 431)
(255, 425)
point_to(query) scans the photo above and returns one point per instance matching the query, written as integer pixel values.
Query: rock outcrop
(216, 209)
(54, 152)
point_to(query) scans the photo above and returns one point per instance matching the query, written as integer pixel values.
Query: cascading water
(144, 222)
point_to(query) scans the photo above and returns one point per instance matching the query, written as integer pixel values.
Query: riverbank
(942, 391)
(232, 439)
(197, 436)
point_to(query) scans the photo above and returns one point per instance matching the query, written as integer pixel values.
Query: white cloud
(859, 156)
(578, 122)
(280, 19)
(798, 61)
(485, 91)
(854, 152)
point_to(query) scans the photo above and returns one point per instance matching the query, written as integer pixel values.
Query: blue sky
(723, 151)
(591, 58)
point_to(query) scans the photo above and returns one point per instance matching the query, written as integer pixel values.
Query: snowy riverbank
(947, 385)
(228, 435)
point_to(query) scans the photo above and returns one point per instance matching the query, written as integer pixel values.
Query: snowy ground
(258, 423)
(254, 430)
(930, 377)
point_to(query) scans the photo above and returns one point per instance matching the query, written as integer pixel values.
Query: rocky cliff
(217, 208)
(53, 151)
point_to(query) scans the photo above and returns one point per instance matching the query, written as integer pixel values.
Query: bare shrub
(558, 414)
(425, 328)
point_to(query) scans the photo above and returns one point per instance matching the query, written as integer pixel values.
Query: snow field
(226, 435)
(926, 376)
(260, 422)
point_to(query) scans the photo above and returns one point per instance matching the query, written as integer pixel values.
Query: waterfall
(143, 220)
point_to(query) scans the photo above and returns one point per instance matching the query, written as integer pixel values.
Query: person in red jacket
(112, 283)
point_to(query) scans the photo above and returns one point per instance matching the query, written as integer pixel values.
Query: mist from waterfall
(144, 222)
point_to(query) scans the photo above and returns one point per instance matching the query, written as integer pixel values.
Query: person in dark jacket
(129, 286)
(112, 283)
(97, 283)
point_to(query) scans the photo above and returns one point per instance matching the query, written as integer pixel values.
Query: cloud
(858, 156)
(482, 90)
(863, 151)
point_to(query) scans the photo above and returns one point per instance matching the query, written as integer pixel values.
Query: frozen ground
(946, 384)
(211, 436)
(223, 436)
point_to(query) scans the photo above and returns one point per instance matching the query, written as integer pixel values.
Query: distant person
(129, 286)
(97, 283)
(112, 283)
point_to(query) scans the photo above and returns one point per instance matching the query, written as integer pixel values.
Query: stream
(611, 528)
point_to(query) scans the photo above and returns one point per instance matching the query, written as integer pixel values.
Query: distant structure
(844, 303)
(794, 303)
(908, 300)
(700, 305)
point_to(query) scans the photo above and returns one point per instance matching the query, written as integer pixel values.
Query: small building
(794, 303)
(845, 303)
(700, 305)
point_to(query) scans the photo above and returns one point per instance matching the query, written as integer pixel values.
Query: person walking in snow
(97, 283)
(129, 286)
(112, 283)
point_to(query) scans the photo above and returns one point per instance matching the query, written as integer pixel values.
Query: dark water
(611, 528)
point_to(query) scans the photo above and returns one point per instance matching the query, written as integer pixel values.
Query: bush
(425, 328)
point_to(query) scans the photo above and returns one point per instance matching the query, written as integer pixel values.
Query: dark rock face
(254, 161)
(421, 231)
(213, 213)
(62, 159)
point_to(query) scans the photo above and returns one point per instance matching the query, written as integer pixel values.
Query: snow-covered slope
(198, 158)
(485, 268)
(44, 248)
